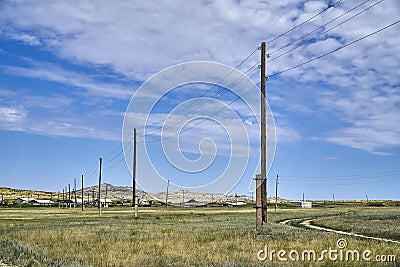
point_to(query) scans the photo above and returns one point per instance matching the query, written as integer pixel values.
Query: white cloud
(10, 114)
(53, 73)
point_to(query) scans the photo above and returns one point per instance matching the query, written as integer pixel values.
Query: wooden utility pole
(83, 202)
(69, 196)
(63, 199)
(134, 204)
(276, 192)
(105, 198)
(183, 197)
(263, 135)
(75, 193)
(93, 196)
(99, 195)
(259, 206)
(166, 197)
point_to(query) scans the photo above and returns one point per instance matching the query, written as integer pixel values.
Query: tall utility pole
(259, 204)
(75, 193)
(105, 198)
(166, 197)
(276, 192)
(63, 199)
(69, 196)
(99, 196)
(333, 198)
(83, 203)
(93, 195)
(134, 204)
(183, 197)
(263, 134)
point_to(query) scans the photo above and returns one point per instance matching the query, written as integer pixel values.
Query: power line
(244, 60)
(119, 153)
(322, 33)
(352, 183)
(117, 163)
(347, 176)
(335, 50)
(204, 119)
(304, 22)
(320, 27)
(213, 86)
(217, 96)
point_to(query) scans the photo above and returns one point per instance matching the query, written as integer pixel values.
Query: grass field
(183, 237)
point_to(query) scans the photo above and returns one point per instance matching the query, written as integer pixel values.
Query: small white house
(305, 204)
(105, 202)
(233, 204)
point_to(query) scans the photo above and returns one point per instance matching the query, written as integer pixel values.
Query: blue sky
(69, 69)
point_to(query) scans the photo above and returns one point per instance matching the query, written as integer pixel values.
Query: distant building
(193, 203)
(23, 200)
(239, 203)
(105, 202)
(41, 202)
(305, 204)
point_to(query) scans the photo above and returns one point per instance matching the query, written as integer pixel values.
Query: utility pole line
(263, 134)
(99, 195)
(83, 202)
(276, 192)
(134, 204)
(166, 197)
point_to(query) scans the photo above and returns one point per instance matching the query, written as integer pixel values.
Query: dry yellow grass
(198, 237)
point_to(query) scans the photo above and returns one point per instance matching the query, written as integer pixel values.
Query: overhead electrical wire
(349, 184)
(341, 177)
(334, 50)
(213, 86)
(217, 96)
(322, 26)
(204, 119)
(322, 33)
(304, 22)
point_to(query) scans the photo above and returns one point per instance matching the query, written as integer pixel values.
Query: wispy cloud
(54, 73)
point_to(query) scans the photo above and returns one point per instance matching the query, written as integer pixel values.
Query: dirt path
(307, 223)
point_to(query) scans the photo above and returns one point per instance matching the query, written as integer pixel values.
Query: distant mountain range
(174, 197)
(124, 193)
